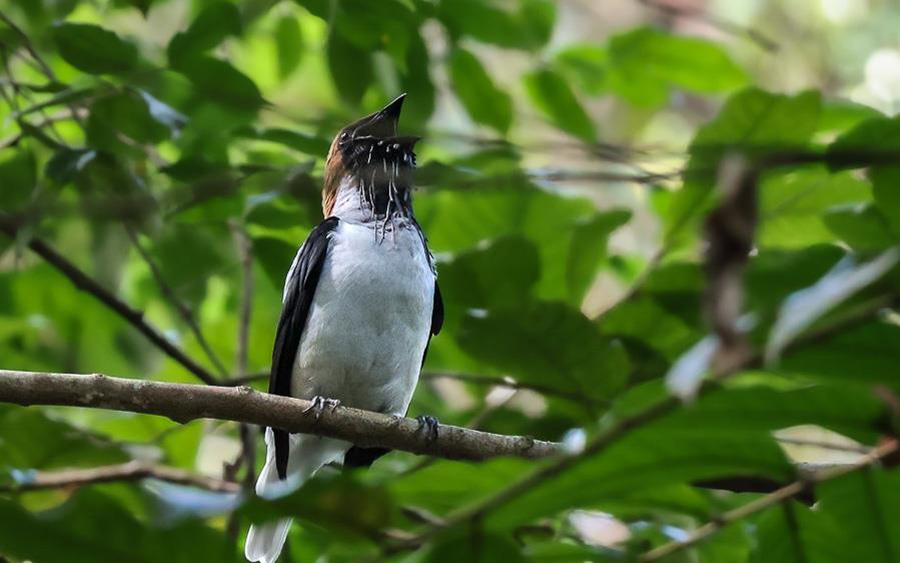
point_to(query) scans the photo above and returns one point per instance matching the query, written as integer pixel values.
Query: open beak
(383, 123)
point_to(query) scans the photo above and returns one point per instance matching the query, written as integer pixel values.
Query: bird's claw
(318, 404)
(430, 425)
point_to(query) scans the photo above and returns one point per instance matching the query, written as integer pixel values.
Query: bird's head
(369, 156)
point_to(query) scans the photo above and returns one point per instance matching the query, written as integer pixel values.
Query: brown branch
(184, 402)
(762, 503)
(183, 310)
(87, 284)
(130, 471)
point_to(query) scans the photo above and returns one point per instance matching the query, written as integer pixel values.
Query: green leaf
(93, 526)
(793, 203)
(350, 67)
(275, 256)
(18, 168)
(219, 81)
(499, 274)
(339, 502)
(861, 226)
(645, 60)
(484, 102)
(886, 191)
(863, 355)
(474, 546)
(488, 21)
(93, 49)
(302, 142)
(791, 532)
(289, 42)
(125, 113)
(587, 64)
(212, 25)
(552, 95)
(588, 250)
(417, 83)
(867, 504)
(550, 344)
(31, 440)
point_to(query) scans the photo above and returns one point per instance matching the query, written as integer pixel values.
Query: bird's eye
(344, 136)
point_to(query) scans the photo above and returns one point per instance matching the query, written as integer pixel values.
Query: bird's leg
(318, 404)
(430, 425)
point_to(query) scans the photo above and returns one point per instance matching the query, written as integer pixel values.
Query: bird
(359, 308)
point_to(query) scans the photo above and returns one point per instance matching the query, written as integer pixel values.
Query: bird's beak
(383, 123)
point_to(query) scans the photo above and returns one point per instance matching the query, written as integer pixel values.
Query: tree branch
(130, 471)
(762, 503)
(87, 284)
(184, 402)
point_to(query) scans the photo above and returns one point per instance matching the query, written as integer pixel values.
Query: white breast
(369, 321)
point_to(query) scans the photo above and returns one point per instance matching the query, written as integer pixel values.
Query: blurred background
(172, 150)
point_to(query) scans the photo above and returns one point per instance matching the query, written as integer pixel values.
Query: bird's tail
(307, 455)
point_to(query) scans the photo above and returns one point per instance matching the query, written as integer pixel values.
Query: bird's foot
(430, 425)
(318, 404)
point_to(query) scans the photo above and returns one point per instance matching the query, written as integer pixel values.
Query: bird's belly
(369, 321)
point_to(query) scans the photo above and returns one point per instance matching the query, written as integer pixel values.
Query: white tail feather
(307, 455)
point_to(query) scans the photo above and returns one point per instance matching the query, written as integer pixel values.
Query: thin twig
(767, 501)
(130, 471)
(87, 284)
(183, 310)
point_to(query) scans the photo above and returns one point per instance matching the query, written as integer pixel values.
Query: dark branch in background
(729, 231)
(186, 314)
(804, 484)
(130, 471)
(184, 402)
(87, 284)
(247, 455)
(731, 28)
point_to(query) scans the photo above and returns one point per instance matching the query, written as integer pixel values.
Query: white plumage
(363, 342)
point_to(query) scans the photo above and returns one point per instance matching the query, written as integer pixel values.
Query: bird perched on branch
(360, 305)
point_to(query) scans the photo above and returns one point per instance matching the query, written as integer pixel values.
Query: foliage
(194, 124)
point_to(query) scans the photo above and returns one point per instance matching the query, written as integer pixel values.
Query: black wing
(364, 457)
(300, 287)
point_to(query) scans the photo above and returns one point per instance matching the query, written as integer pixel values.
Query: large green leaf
(484, 102)
(645, 62)
(867, 505)
(791, 532)
(218, 80)
(18, 168)
(552, 95)
(350, 66)
(491, 22)
(93, 49)
(549, 344)
(213, 24)
(289, 42)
